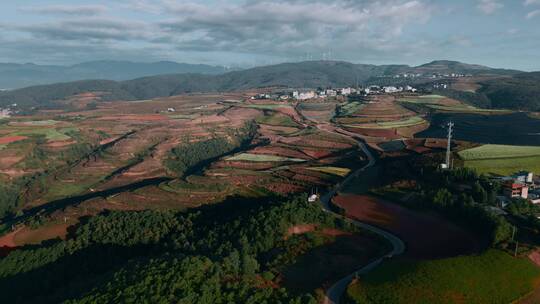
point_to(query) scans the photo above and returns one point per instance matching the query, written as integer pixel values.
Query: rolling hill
(521, 91)
(311, 74)
(13, 76)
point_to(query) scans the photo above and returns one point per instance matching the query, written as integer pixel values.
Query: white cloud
(531, 2)
(74, 10)
(489, 7)
(533, 14)
(281, 29)
(292, 26)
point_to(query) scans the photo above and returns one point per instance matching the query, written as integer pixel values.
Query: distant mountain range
(310, 74)
(13, 76)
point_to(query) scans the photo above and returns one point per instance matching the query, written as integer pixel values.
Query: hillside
(311, 74)
(521, 91)
(447, 66)
(13, 76)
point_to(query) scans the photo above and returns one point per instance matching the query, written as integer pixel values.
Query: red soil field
(11, 139)
(245, 165)
(386, 133)
(147, 117)
(290, 112)
(7, 243)
(317, 153)
(284, 188)
(59, 144)
(426, 236)
(436, 143)
(410, 131)
(279, 151)
(241, 113)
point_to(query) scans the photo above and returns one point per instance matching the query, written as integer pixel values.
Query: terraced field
(381, 119)
(262, 158)
(115, 156)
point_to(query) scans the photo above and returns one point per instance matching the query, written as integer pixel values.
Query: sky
(496, 33)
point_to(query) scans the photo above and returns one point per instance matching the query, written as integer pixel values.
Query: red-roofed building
(513, 190)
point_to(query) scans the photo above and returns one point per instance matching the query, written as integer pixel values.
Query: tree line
(216, 254)
(190, 155)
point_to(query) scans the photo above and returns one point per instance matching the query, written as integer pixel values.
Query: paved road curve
(335, 292)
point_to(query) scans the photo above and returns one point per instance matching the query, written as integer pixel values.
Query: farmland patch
(509, 129)
(262, 158)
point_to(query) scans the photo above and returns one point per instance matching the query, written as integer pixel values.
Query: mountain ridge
(308, 74)
(15, 76)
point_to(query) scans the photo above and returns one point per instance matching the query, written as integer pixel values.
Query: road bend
(335, 292)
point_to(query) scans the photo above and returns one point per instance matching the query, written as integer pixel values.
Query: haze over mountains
(310, 74)
(14, 76)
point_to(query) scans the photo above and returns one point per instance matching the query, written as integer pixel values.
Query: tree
(442, 198)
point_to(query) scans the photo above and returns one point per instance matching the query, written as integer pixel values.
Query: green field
(499, 151)
(433, 102)
(277, 120)
(409, 122)
(267, 106)
(262, 158)
(50, 134)
(431, 97)
(492, 277)
(38, 123)
(350, 108)
(502, 159)
(505, 166)
(332, 170)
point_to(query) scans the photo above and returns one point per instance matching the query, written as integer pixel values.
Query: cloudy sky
(499, 33)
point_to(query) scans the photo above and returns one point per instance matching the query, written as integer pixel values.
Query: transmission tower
(449, 144)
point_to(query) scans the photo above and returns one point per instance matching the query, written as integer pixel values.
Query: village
(320, 93)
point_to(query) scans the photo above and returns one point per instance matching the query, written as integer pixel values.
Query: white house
(331, 93)
(346, 91)
(306, 95)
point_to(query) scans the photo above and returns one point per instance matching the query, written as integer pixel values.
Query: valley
(202, 151)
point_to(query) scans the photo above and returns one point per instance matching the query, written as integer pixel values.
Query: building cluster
(7, 112)
(307, 94)
(428, 75)
(449, 75)
(441, 86)
(520, 185)
(374, 89)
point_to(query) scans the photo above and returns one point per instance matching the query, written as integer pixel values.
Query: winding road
(335, 292)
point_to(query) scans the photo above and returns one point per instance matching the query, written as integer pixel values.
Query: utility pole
(449, 145)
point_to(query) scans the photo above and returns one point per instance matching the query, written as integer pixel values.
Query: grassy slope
(505, 166)
(493, 277)
(262, 158)
(332, 170)
(499, 151)
(409, 122)
(277, 120)
(434, 102)
(502, 159)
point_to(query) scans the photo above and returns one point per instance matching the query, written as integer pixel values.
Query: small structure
(524, 177)
(313, 198)
(306, 95)
(331, 93)
(514, 189)
(171, 110)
